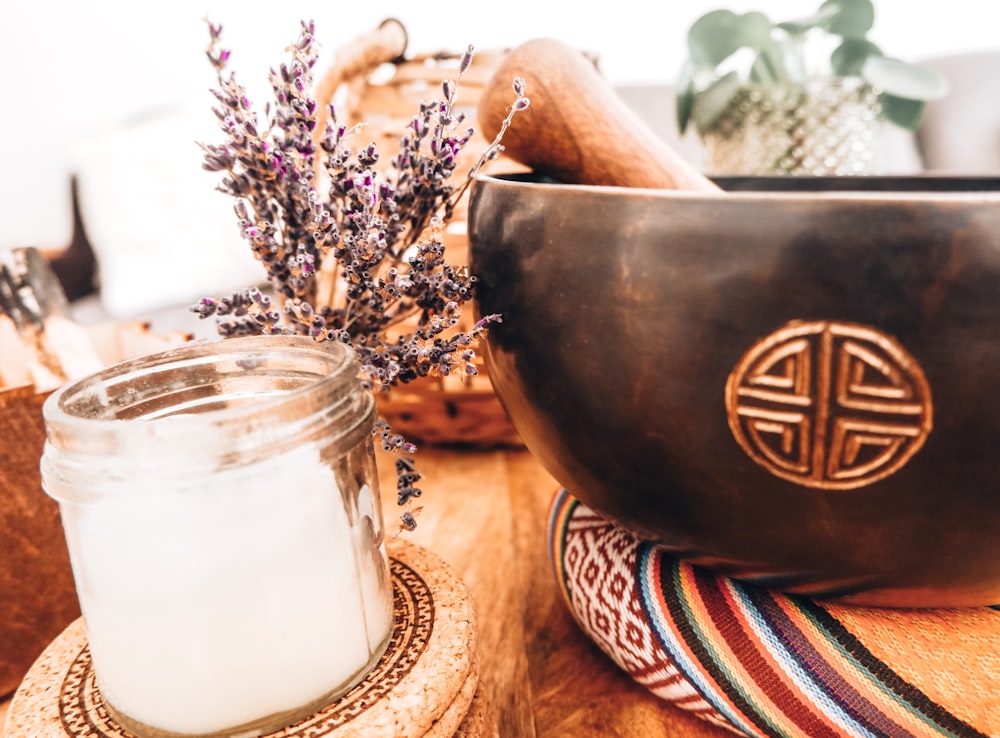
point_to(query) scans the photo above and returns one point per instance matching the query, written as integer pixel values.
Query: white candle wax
(242, 594)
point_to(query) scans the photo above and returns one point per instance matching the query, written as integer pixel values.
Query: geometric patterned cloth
(762, 663)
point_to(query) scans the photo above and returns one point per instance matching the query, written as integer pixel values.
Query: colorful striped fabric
(765, 664)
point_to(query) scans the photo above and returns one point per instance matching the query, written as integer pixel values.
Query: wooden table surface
(485, 513)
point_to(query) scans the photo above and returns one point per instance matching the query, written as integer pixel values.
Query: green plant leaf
(848, 18)
(718, 34)
(710, 103)
(848, 59)
(685, 94)
(902, 112)
(902, 79)
(771, 63)
(800, 26)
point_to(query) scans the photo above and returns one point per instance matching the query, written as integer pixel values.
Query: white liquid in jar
(243, 594)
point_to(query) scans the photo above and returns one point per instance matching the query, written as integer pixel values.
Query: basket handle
(386, 43)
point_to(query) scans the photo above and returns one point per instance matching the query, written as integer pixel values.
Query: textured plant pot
(825, 127)
(795, 388)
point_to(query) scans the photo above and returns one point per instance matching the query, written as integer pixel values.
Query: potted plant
(805, 96)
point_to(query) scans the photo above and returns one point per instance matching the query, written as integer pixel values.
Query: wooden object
(448, 411)
(41, 344)
(37, 594)
(485, 512)
(577, 130)
(425, 685)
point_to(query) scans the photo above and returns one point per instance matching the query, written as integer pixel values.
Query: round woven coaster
(423, 686)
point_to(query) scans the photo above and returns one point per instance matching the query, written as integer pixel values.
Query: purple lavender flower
(350, 253)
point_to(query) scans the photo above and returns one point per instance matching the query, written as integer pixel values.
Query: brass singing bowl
(795, 388)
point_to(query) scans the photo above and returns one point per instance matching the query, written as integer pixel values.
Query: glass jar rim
(256, 395)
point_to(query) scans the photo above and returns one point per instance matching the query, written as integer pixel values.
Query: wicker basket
(372, 82)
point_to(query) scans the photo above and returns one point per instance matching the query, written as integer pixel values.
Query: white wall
(73, 69)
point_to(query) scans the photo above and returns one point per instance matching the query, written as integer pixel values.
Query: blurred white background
(71, 70)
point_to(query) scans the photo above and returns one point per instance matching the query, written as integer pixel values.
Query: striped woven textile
(765, 664)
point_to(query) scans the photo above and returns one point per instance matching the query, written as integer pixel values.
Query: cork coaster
(476, 723)
(426, 685)
(450, 722)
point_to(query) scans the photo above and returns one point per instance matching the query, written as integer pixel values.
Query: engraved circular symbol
(829, 405)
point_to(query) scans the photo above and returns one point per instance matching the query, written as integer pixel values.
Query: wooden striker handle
(577, 129)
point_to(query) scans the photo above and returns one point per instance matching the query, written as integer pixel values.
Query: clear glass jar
(221, 506)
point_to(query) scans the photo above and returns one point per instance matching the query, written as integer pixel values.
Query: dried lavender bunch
(350, 255)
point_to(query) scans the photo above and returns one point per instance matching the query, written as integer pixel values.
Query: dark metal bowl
(799, 388)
